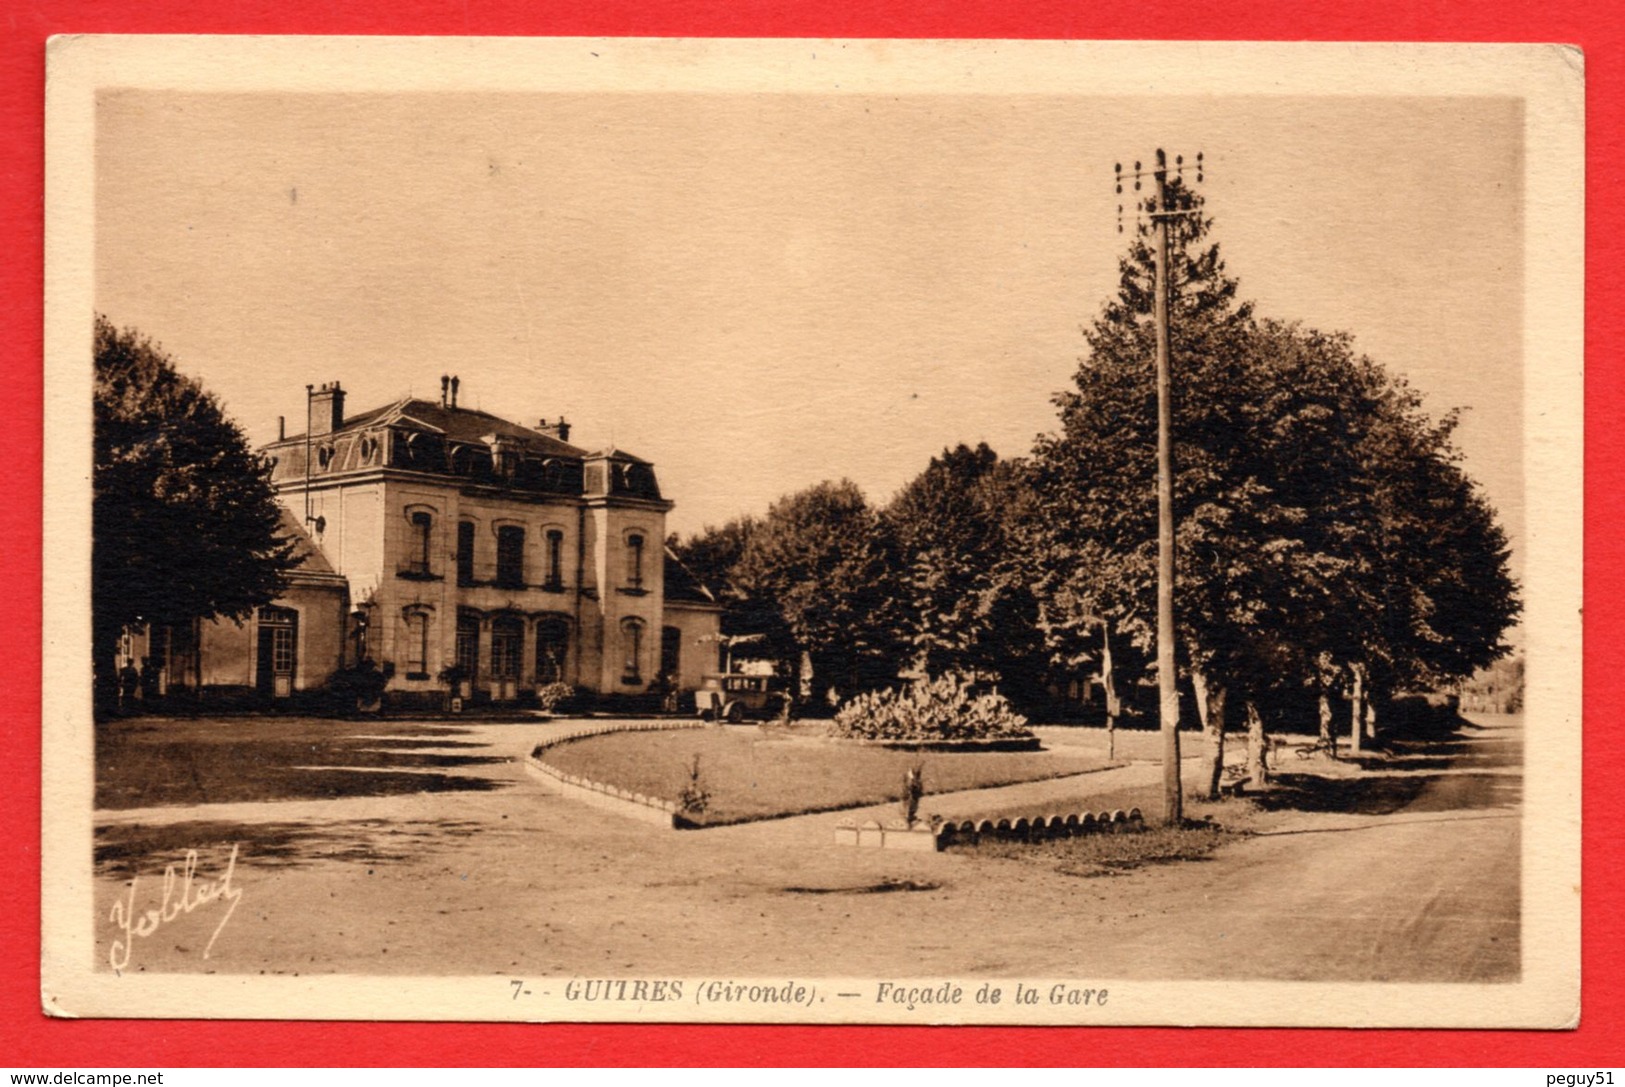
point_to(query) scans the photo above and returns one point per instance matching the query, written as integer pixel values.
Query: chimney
(445, 383)
(326, 409)
(281, 428)
(455, 381)
(560, 429)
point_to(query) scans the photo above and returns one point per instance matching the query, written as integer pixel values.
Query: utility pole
(1173, 806)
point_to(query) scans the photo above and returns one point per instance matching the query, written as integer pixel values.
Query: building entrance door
(507, 642)
(468, 654)
(278, 652)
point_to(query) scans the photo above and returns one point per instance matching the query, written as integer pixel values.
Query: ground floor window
(632, 643)
(671, 652)
(507, 638)
(552, 649)
(417, 645)
(468, 646)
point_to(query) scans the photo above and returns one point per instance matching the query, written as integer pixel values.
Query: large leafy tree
(1093, 539)
(184, 522)
(962, 604)
(818, 562)
(1324, 527)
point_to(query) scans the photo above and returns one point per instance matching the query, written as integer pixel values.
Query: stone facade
(465, 555)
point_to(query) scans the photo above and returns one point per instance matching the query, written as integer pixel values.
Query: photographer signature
(183, 893)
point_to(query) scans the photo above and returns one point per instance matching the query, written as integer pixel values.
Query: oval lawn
(752, 774)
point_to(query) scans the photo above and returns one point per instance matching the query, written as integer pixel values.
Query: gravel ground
(490, 874)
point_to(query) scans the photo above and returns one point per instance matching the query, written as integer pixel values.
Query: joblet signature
(184, 891)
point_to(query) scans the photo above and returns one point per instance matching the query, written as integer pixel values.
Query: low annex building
(461, 554)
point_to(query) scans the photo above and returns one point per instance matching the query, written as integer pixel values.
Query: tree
(1323, 520)
(1094, 541)
(962, 606)
(184, 522)
(817, 561)
(1434, 591)
(711, 553)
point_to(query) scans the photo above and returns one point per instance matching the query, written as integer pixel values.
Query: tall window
(465, 552)
(417, 645)
(552, 648)
(555, 559)
(511, 557)
(468, 645)
(507, 637)
(634, 562)
(422, 533)
(671, 652)
(632, 643)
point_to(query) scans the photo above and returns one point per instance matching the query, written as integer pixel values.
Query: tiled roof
(681, 584)
(312, 563)
(456, 424)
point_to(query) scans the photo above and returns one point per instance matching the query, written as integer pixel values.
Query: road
(1409, 872)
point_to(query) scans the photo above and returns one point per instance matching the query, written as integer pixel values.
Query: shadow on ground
(1432, 761)
(155, 762)
(124, 851)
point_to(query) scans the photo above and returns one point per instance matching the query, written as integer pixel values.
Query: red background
(34, 1040)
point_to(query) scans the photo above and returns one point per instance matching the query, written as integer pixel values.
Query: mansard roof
(454, 424)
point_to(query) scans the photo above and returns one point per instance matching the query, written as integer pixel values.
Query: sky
(761, 291)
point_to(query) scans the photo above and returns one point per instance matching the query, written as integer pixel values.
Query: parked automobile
(734, 697)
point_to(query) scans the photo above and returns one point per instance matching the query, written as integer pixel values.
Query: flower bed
(938, 714)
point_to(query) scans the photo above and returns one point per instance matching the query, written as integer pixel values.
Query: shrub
(942, 709)
(358, 687)
(551, 696)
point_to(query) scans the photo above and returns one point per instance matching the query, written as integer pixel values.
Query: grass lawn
(750, 774)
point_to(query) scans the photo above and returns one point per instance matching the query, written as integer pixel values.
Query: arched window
(632, 645)
(555, 560)
(634, 561)
(552, 649)
(671, 653)
(507, 638)
(511, 557)
(417, 645)
(417, 560)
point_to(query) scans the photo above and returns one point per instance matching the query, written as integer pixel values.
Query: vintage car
(733, 697)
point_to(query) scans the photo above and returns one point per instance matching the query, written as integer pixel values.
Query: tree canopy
(1322, 519)
(184, 521)
(963, 603)
(813, 578)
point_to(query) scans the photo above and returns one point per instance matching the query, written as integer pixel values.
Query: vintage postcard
(813, 531)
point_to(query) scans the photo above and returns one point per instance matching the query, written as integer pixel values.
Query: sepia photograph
(813, 531)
